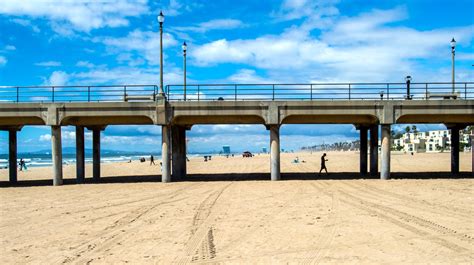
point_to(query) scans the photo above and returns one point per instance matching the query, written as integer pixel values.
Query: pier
(371, 107)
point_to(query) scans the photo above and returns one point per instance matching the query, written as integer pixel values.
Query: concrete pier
(165, 153)
(386, 146)
(178, 145)
(57, 156)
(80, 158)
(363, 149)
(12, 155)
(454, 149)
(274, 152)
(96, 154)
(374, 150)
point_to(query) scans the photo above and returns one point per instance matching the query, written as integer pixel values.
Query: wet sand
(306, 220)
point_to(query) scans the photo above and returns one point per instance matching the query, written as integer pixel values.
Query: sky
(87, 42)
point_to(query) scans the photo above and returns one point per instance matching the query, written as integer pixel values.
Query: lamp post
(408, 80)
(185, 47)
(453, 51)
(161, 19)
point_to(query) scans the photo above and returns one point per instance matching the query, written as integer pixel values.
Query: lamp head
(185, 46)
(453, 43)
(408, 78)
(161, 18)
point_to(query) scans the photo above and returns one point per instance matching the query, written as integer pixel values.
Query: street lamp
(408, 80)
(453, 51)
(185, 47)
(161, 19)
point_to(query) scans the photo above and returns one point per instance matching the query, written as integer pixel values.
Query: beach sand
(235, 219)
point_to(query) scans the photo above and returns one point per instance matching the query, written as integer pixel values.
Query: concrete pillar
(454, 150)
(275, 152)
(374, 150)
(96, 154)
(363, 150)
(386, 146)
(472, 152)
(57, 156)
(12, 155)
(165, 153)
(80, 158)
(178, 147)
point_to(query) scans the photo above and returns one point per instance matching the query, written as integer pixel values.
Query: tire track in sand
(421, 221)
(410, 201)
(326, 236)
(200, 245)
(116, 232)
(404, 220)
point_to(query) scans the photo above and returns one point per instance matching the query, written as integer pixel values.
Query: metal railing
(238, 92)
(110, 93)
(320, 91)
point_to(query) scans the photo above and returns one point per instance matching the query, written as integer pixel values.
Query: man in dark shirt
(323, 164)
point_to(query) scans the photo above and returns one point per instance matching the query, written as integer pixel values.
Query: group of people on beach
(152, 162)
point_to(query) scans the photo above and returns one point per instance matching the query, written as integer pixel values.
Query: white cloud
(10, 48)
(145, 43)
(248, 76)
(296, 9)
(57, 78)
(45, 137)
(84, 15)
(85, 64)
(48, 64)
(362, 48)
(215, 24)
(3, 61)
(26, 23)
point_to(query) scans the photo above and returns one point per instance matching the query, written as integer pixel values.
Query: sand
(303, 219)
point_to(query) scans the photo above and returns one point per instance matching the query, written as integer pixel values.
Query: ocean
(44, 159)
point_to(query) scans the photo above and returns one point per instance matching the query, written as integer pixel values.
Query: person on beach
(323, 164)
(152, 160)
(22, 164)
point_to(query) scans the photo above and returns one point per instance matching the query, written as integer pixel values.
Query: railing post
(349, 91)
(465, 90)
(388, 91)
(124, 93)
(199, 88)
(88, 94)
(52, 93)
(17, 94)
(311, 89)
(273, 92)
(235, 91)
(426, 91)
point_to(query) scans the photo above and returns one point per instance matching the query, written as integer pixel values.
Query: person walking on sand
(152, 160)
(323, 164)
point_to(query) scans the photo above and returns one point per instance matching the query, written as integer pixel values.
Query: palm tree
(415, 130)
(407, 129)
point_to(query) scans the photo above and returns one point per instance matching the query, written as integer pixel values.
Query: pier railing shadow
(242, 177)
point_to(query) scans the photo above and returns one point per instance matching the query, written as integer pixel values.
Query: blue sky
(45, 42)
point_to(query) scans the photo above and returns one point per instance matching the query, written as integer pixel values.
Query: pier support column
(165, 153)
(386, 146)
(57, 156)
(80, 158)
(96, 154)
(374, 150)
(178, 145)
(12, 155)
(454, 149)
(274, 152)
(363, 150)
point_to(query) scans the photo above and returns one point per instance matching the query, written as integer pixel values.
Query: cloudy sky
(86, 42)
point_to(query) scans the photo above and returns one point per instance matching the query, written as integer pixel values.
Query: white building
(431, 141)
